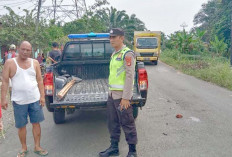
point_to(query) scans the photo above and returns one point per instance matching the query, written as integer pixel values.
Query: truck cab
(147, 46)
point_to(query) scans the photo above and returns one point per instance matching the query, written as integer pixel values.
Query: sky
(158, 15)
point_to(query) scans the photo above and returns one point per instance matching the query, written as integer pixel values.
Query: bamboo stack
(64, 90)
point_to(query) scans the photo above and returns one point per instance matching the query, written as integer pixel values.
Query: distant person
(11, 52)
(54, 55)
(44, 59)
(27, 95)
(40, 58)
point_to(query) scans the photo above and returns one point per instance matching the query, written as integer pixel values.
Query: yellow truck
(147, 46)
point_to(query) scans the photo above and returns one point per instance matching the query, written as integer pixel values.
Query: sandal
(41, 152)
(22, 154)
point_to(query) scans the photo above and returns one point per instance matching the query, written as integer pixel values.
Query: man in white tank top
(27, 95)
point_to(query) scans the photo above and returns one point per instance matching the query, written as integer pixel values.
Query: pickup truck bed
(86, 92)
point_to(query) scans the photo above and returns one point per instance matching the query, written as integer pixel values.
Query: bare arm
(52, 60)
(5, 84)
(40, 82)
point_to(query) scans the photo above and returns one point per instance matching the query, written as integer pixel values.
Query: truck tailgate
(90, 93)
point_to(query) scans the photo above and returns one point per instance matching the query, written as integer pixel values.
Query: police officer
(119, 109)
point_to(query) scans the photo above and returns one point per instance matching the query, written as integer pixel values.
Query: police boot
(132, 151)
(111, 151)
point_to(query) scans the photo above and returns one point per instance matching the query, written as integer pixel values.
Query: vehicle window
(73, 51)
(98, 50)
(90, 50)
(147, 43)
(109, 50)
(86, 50)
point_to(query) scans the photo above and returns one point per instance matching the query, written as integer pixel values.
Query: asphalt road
(204, 131)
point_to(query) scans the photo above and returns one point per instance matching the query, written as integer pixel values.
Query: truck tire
(135, 112)
(59, 116)
(155, 62)
(48, 100)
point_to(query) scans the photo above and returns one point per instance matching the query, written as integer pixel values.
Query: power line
(17, 3)
(58, 10)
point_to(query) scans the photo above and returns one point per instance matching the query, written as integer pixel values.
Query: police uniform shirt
(129, 63)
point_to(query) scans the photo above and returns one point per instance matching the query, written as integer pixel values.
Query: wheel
(59, 116)
(144, 95)
(48, 100)
(135, 112)
(155, 62)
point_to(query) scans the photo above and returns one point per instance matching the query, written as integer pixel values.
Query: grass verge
(216, 70)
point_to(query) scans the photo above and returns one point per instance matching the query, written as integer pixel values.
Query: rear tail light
(143, 79)
(48, 83)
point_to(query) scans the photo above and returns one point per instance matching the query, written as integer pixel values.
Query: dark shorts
(21, 112)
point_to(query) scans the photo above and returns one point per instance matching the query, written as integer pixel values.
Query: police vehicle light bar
(90, 35)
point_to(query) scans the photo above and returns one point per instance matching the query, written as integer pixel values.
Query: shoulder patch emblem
(128, 60)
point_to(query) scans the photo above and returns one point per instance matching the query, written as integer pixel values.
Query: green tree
(17, 28)
(218, 46)
(214, 17)
(198, 44)
(183, 41)
(112, 18)
(86, 24)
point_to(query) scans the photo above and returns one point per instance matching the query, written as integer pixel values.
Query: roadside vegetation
(204, 52)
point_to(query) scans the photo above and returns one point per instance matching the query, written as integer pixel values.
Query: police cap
(116, 32)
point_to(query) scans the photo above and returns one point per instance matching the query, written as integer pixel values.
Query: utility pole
(38, 14)
(184, 25)
(54, 10)
(59, 11)
(76, 8)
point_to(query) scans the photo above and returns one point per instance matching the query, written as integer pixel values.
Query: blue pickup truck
(87, 57)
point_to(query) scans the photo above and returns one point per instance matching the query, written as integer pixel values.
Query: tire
(155, 62)
(59, 116)
(48, 100)
(135, 112)
(144, 95)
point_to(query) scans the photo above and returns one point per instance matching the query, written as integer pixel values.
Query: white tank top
(24, 85)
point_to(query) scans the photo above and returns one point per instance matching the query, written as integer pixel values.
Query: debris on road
(179, 116)
(165, 134)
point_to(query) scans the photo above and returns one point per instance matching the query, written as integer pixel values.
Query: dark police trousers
(118, 119)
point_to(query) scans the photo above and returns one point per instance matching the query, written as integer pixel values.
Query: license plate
(146, 58)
